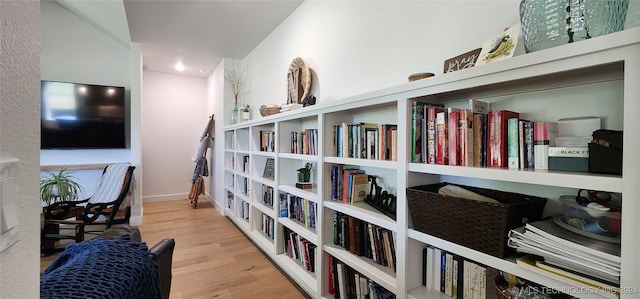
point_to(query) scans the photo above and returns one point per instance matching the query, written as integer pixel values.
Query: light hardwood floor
(212, 257)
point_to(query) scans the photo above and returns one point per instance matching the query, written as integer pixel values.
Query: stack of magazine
(565, 256)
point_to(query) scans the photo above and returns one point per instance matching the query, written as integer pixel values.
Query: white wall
(215, 97)
(361, 46)
(174, 116)
(76, 51)
(20, 138)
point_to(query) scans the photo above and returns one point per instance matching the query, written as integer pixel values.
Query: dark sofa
(113, 265)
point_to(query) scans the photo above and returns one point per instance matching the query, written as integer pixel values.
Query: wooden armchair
(108, 205)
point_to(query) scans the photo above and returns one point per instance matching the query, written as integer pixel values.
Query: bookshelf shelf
(363, 162)
(308, 194)
(300, 229)
(596, 77)
(378, 273)
(312, 158)
(265, 209)
(609, 183)
(364, 212)
(293, 268)
(265, 243)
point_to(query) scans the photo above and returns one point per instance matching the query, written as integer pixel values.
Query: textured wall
(20, 138)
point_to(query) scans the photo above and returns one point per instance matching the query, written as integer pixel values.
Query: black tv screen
(82, 116)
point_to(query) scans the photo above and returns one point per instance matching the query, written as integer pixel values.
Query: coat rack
(206, 141)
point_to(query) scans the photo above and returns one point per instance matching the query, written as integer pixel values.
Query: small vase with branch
(234, 77)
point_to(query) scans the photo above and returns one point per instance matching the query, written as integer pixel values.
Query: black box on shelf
(605, 152)
(569, 164)
(475, 224)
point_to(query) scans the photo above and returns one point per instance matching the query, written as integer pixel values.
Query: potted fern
(59, 186)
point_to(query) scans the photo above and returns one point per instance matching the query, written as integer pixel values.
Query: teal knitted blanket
(99, 268)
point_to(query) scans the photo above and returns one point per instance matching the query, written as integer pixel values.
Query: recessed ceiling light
(179, 67)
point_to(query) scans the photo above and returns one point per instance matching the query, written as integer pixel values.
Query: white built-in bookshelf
(596, 77)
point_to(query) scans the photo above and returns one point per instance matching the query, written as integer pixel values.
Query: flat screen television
(82, 116)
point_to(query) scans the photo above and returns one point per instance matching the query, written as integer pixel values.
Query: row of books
(267, 226)
(305, 142)
(230, 199)
(267, 140)
(245, 186)
(366, 141)
(267, 195)
(478, 137)
(346, 283)
(300, 249)
(364, 239)
(455, 276)
(302, 210)
(348, 183)
(245, 164)
(244, 211)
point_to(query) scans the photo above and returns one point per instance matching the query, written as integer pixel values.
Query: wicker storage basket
(478, 225)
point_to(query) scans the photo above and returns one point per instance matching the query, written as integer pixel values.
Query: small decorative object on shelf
(550, 23)
(266, 110)
(246, 112)
(418, 76)
(298, 81)
(462, 61)
(233, 115)
(383, 201)
(304, 173)
(309, 101)
(503, 46)
(234, 77)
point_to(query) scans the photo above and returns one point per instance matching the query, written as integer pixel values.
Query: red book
(442, 150)
(454, 138)
(497, 137)
(466, 137)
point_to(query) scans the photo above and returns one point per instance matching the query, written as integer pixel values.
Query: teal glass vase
(550, 23)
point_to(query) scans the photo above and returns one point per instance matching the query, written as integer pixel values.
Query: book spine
(454, 138)
(477, 106)
(528, 144)
(466, 137)
(477, 139)
(543, 133)
(497, 139)
(442, 151)
(513, 154)
(437, 253)
(431, 133)
(448, 279)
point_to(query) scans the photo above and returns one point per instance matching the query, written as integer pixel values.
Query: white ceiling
(198, 33)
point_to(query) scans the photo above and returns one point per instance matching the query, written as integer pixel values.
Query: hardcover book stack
(364, 239)
(267, 195)
(302, 210)
(455, 276)
(366, 141)
(300, 250)
(345, 283)
(305, 142)
(348, 183)
(267, 226)
(267, 140)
